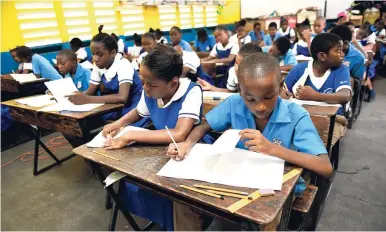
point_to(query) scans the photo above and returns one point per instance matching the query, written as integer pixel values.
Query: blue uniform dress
(121, 71)
(331, 82)
(288, 59)
(41, 66)
(220, 52)
(207, 46)
(184, 45)
(354, 60)
(253, 36)
(301, 48)
(268, 40)
(81, 78)
(142, 202)
(289, 126)
(371, 68)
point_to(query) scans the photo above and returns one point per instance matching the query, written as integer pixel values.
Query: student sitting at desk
(160, 38)
(77, 46)
(232, 83)
(68, 67)
(257, 34)
(203, 42)
(281, 50)
(23, 68)
(241, 36)
(41, 67)
(122, 48)
(287, 31)
(175, 37)
(148, 41)
(116, 79)
(272, 35)
(303, 45)
(135, 51)
(167, 100)
(191, 64)
(319, 26)
(324, 78)
(269, 124)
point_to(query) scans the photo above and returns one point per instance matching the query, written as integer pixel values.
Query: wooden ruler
(255, 195)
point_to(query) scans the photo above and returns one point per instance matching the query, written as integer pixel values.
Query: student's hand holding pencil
(78, 98)
(118, 143)
(255, 141)
(110, 130)
(180, 153)
(204, 85)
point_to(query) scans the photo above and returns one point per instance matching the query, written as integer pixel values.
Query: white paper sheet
(22, 78)
(313, 103)
(87, 64)
(37, 101)
(216, 95)
(227, 141)
(99, 139)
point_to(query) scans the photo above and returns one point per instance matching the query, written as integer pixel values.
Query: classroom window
(38, 23)
(105, 15)
(167, 16)
(211, 15)
(133, 20)
(76, 20)
(198, 16)
(185, 17)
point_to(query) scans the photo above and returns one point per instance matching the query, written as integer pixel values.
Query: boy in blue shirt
(272, 35)
(257, 34)
(269, 125)
(176, 38)
(281, 50)
(324, 78)
(69, 67)
(41, 67)
(204, 42)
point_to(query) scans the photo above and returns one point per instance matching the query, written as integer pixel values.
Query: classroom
(193, 115)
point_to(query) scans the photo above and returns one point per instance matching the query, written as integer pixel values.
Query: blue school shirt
(254, 37)
(288, 59)
(289, 126)
(207, 46)
(184, 45)
(81, 78)
(335, 79)
(42, 67)
(268, 40)
(354, 60)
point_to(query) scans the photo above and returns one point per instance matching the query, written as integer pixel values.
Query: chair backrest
(322, 124)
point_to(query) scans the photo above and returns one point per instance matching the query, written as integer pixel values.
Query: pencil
(13, 71)
(202, 192)
(227, 194)
(175, 144)
(285, 86)
(110, 157)
(221, 189)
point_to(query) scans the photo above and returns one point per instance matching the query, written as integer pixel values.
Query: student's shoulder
(300, 66)
(235, 100)
(295, 111)
(340, 69)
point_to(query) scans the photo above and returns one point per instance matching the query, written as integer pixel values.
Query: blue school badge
(278, 142)
(79, 85)
(347, 63)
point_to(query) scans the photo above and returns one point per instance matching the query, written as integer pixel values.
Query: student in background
(167, 100)
(380, 32)
(366, 38)
(232, 82)
(41, 67)
(269, 124)
(191, 63)
(68, 67)
(354, 42)
(319, 25)
(175, 37)
(148, 41)
(122, 48)
(23, 68)
(116, 79)
(342, 18)
(203, 42)
(135, 50)
(324, 78)
(241, 36)
(77, 46)
(160, 38)
(303, 45)
(281, 50)
(257, 34)
(287, 31)
(272, 35)
(332, 26)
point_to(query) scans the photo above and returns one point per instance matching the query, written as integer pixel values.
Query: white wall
(256, 8)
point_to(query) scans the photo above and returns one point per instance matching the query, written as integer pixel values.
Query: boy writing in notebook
(324, 78)
(269, 125)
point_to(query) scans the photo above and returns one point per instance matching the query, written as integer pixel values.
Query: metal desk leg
(330, 133)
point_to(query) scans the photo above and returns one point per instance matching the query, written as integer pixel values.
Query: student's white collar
(317, 81)
(228, 46)
(112, 71)
(182, 88)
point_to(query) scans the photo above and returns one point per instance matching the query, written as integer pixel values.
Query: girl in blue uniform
(167, 100)
(116, 79)
(302, 46)
(175, 37)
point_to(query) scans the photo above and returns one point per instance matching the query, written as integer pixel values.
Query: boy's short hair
(240, 23)
(323, 43)
(201, 33)
(272, 24)
(343, 32)
(69, 54)
(283, 44)
(149, 35)
(221, 28)
(258, 66)
(256, 24)
(321, 18)
(249, 49)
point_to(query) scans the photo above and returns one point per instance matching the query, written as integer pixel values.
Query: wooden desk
(141, 163)
(8, 84)
(77, 124)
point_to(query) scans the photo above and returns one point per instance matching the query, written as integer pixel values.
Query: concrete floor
(69, 197)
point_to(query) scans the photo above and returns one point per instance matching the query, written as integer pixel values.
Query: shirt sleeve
(295, 49)
(191, 107)
(219, 118)
(292, 77)
(231, 82)
(142, 109)
(371, 38)
(342, 79)
(247, 39)
(125, 72)
(290, 59)
(191, 60)
(358, 70)
(81, 54)
(306, 138)
(121, 46)
(235, 49)
(382, 33)
(26, 66)
(213, 53)
(36, 67)
(95, 77)
(292, 32)
(187, 47)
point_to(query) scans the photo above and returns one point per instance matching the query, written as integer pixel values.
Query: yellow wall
(11, 35)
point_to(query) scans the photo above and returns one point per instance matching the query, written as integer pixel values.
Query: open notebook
(222, 163)
(99, 139)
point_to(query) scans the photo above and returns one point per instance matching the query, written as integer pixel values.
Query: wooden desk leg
(38, 143)
(286, 212)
